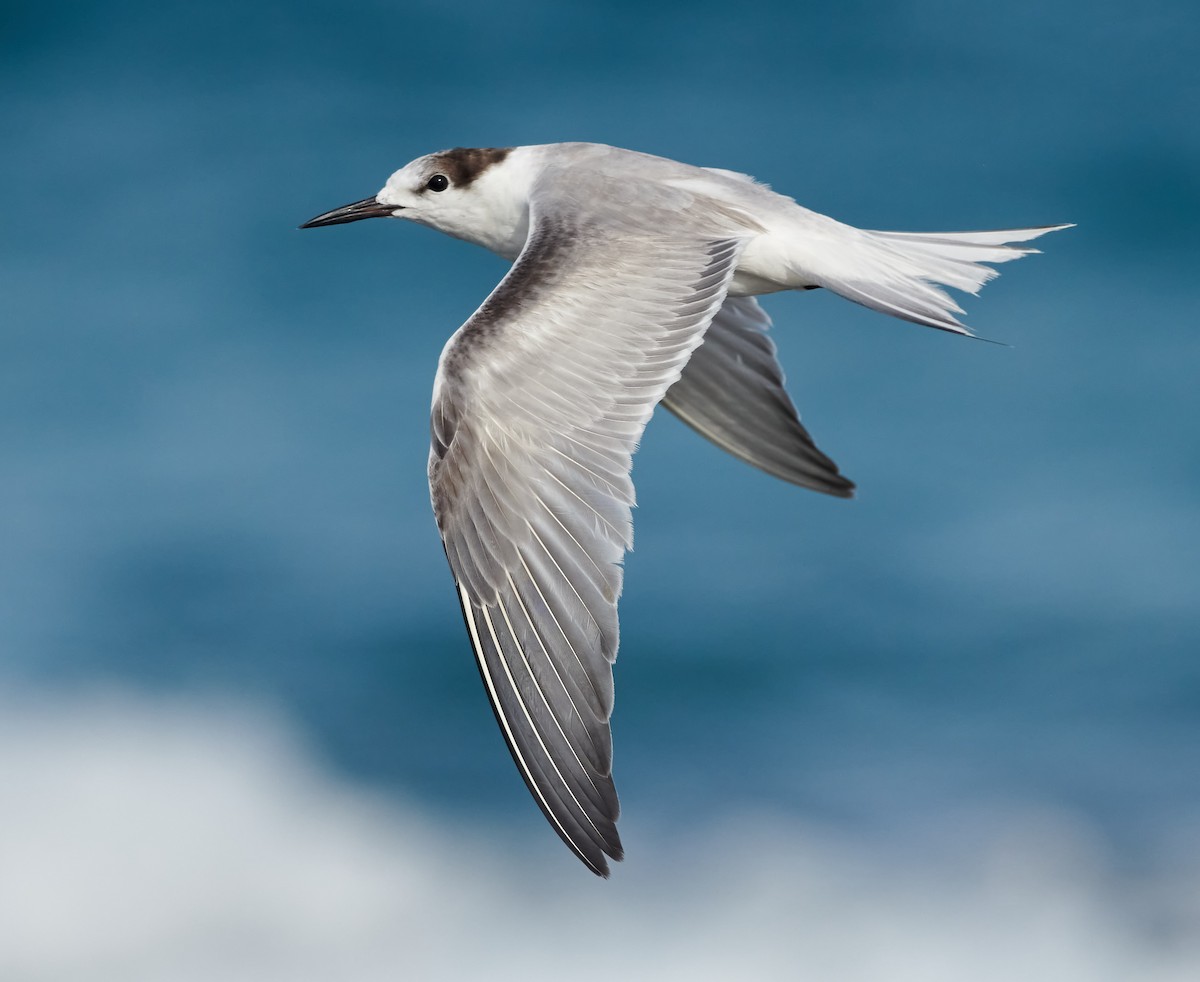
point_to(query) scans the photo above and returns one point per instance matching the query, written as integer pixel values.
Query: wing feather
(732, 393)
(540, 400)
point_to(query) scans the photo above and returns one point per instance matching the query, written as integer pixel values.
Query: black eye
(439, 182)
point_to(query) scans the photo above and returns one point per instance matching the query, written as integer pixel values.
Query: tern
(633, 282)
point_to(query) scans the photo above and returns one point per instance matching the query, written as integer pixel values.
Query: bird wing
(732, 393)
(538, 406)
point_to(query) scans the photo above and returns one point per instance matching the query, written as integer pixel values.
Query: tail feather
(900, 273)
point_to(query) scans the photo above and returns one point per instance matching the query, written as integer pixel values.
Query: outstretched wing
(538, 406)
(732, 393)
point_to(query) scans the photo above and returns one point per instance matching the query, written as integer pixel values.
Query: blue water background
(214, 426)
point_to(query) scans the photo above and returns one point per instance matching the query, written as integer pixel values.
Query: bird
(633, 282)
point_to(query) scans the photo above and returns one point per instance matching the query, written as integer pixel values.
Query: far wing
(732, 393)
(539, 403)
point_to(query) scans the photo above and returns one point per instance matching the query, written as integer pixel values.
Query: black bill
(367, 208)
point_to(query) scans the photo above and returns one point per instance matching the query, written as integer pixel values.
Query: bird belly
(746, 284)
(764, 268)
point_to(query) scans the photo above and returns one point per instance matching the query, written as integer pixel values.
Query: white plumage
(633, 283)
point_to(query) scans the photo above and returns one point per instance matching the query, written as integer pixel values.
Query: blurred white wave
(144, 838)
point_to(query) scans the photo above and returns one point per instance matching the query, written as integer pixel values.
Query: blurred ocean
(949, 730)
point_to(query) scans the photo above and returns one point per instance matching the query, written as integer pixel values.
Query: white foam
(144, 839)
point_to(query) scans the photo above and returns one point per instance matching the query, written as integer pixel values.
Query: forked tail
(901, 273)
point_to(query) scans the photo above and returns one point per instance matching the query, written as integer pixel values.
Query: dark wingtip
(601, 867)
